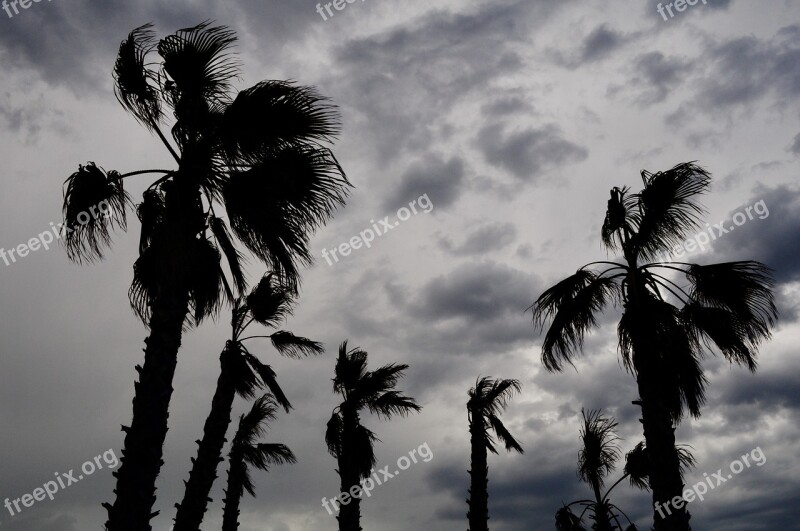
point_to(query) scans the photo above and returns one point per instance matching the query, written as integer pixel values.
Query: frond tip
(95, 202)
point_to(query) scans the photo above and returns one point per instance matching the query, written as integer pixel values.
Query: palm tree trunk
(478, 501)
(209, 453)
(350, 514)
(665, 477)
(141, 458)
(233, 495)
(602, 516)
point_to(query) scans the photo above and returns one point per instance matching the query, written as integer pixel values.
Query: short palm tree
(486, 401)
(351, 443)
(260, 156)
(666, 329)
(245, 452)
(241, 373)
(596, 460)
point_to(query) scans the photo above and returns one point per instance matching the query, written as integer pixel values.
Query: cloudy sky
(515, 117)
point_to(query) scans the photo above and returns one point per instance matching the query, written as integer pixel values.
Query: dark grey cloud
(484, 239)
(599, 44)
(656, 76)
(770, 240)
(510, 105)
(443, 181)
(796, 145)
(528, 153)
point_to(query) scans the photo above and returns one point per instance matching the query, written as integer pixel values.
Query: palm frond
(351, 366)
(292, 346)
(669, 207)
(373, 383)
(499, 393)
(242, 374)
(392, 403)
(95, 201)
(265, 455)
(199, 63)
(269, 379)
(637, 467)
(363, 448)
(333, 435)
(275, 113)
(269, 303)
(132, 78)
(151, 212)
(617, 223)
(277, 204)
(571, 306)
(232, 255)
(566, 520)
(599, 453)
(504, 435)
(744, 288)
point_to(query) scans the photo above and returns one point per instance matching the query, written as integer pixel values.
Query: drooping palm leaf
(292, 346)
(133, 80)
(95, 201)
(599, 453)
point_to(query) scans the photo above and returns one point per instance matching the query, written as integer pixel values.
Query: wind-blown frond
(364, 450)
(617, 221)
(275, 113)
(745, 288)
(504, 435)
(572, 306)
(232, 255)
(566, 520)
(269, 303)
(351, 366)
(392, 403)
(333, 435)
(199, 63)
(292, 346)
(637, 467)
(669, 210)
(133, 81)
(275, 206)
(95, 201)
(374, 383)
(269, 379)
(599, 453)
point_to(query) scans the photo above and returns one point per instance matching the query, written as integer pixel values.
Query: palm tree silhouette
(351, 443)
(729, 306)
(596, 460)
(247, 451)
(259, 155)
(241, 373)
(486, 401)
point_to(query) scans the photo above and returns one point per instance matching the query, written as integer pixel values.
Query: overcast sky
(515, 117)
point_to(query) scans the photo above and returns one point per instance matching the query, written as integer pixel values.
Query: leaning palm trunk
(230, 510)
(143, 448)
(478, 501)
(209, 454)
(349, 514)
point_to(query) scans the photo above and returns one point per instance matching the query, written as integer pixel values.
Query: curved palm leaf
(599, 453)
(132, 78)
(292, 346)
(87, 223)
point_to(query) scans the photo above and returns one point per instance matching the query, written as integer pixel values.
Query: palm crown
(487, 400)
(729, 306)
(260, 155)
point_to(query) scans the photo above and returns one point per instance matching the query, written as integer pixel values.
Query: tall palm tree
(666, 329)
(351, 443)
(241, 373)
(486, 401)
(261, 155)
(246, 451)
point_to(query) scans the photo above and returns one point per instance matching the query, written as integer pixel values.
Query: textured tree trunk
(478, 501)
(230, 510)
(209, 453)
(141, 458)
(665, 478)
(350, 514)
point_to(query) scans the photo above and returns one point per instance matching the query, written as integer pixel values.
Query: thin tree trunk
(478, 501)
(141, 458)
(602, 516)
(233, 495)
(209, 453)
(350, 514)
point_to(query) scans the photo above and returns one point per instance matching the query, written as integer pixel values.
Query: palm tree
(351, 443)
(596, 460)
(486, 401)
(260, 155)
(665, 329)
(247, 451)
(241, 373)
